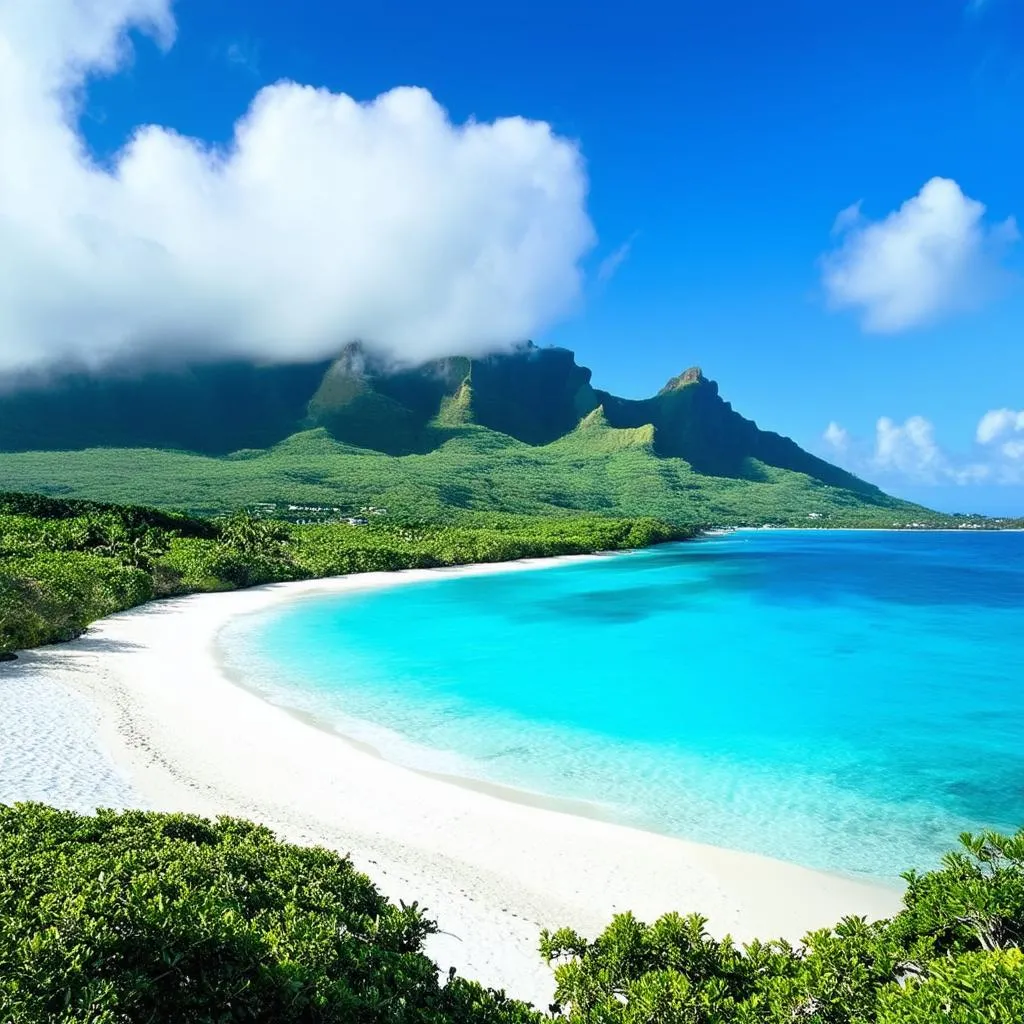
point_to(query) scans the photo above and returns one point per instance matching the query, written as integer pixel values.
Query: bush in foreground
(149, 917)
(125, 917)
(951, 955)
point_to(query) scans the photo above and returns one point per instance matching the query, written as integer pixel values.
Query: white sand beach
(167, 729)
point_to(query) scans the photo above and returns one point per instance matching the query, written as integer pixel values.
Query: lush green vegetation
(595, 469)
(150, 917)
(952, 954)
(64, 564)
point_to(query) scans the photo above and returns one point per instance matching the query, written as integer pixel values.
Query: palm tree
(252, 536)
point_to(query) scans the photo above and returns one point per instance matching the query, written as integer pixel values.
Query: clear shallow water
(849, 701)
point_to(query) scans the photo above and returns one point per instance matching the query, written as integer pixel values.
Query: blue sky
(721, 142)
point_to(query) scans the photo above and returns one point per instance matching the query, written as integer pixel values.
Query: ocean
(849, 701)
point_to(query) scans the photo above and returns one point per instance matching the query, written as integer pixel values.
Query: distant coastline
(869, 529)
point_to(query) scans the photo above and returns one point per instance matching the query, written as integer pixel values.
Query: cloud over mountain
(323, 221)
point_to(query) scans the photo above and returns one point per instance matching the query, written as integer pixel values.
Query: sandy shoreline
(492, 871)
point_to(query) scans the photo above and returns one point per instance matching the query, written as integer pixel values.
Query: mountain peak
(694, 375)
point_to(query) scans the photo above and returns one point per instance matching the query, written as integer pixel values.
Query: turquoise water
(848, 701)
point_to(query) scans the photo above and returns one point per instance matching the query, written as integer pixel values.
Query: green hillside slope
(594, 469)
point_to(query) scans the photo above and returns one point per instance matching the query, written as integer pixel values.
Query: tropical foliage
(150, 917)
(952, 954)
(64, 564)
(138, 916)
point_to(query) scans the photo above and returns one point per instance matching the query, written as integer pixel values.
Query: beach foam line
(491, 871)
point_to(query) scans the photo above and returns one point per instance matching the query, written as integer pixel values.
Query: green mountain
(524, 431)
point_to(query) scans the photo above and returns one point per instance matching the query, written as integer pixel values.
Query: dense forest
(64, 564)
(140, 916)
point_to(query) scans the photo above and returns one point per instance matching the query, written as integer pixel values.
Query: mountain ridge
(524, 430)
(535, 395)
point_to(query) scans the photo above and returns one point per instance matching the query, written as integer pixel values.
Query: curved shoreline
(492, 870)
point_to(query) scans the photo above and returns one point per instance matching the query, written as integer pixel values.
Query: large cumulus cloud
(325, 220)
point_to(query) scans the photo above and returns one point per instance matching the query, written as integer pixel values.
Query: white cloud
(933, 255)
(908, 452)
(323, 221)
(908, 448)
(836, 437)
(245, 55)
(848, 218)
(1001, 432)
(997, 423)
(611, 263)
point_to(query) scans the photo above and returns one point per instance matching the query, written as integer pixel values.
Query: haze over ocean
(845, 700)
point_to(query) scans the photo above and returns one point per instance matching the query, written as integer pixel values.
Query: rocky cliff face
(534, 394)
(694, 375)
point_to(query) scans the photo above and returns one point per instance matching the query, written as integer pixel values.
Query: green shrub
(54, 595)
(40, 506)
(976, 988)
(952, 954)
(27, 619)
(206, 565)
(139, 916)
(150, 917)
